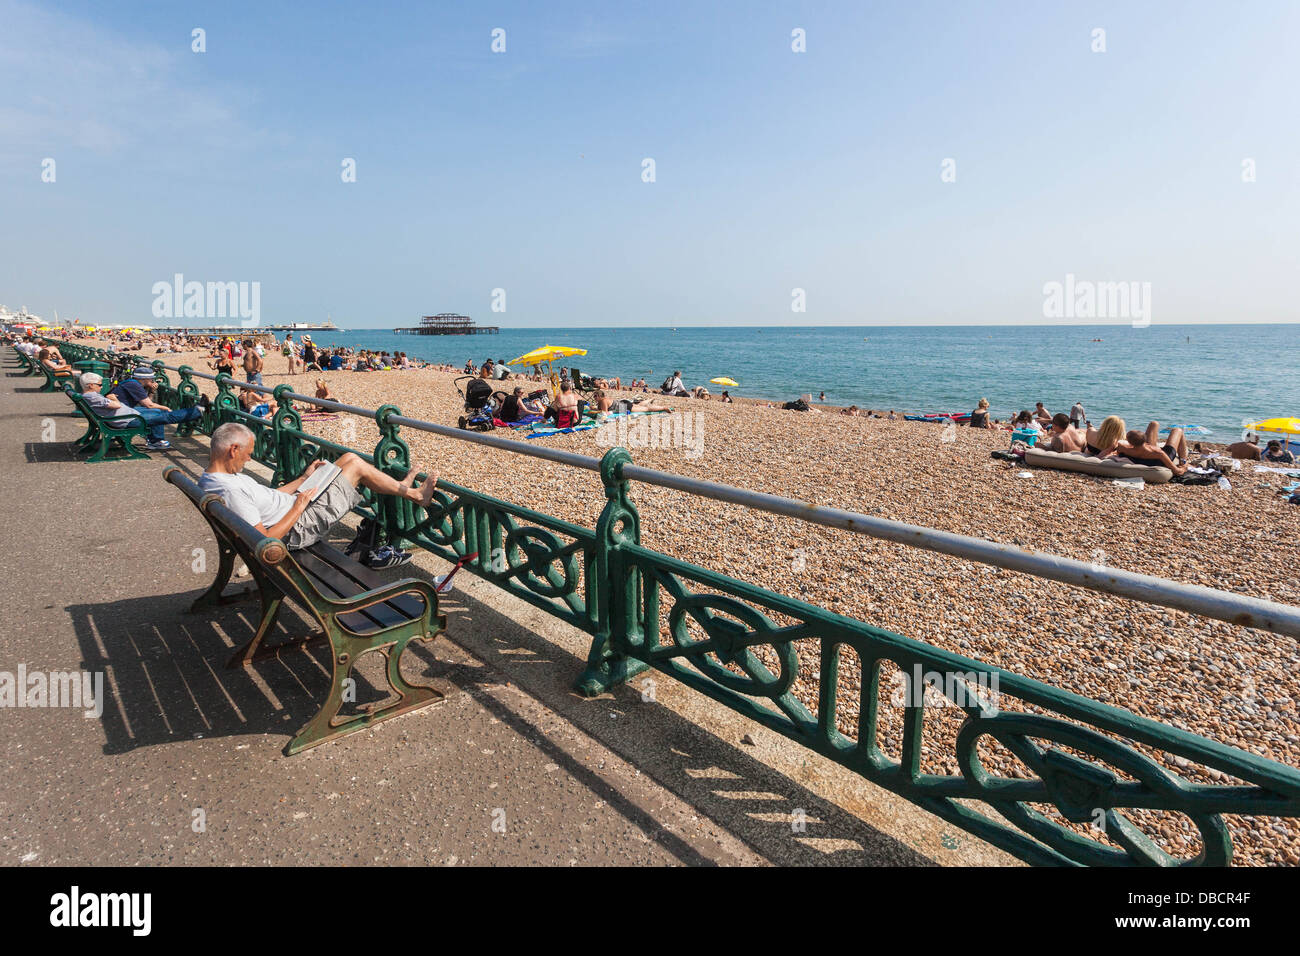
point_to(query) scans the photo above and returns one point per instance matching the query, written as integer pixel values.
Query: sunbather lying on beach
(602, 403)
(1065, 437)
(1104, 442)
(1144, 449)
(282, 513)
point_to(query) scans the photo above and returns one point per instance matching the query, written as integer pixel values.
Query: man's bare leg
(1153, 434)
(360, 472)
(1179, 440)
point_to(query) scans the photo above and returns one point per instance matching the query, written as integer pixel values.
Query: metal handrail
(1208, 602)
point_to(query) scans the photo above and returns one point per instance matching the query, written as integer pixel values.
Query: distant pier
(448, 323)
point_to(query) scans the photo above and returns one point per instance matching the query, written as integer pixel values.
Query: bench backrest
(268, 558)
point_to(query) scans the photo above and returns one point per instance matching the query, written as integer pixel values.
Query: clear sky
(774, 170)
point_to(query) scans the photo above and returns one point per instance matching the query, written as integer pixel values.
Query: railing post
(394, 516)
(289, 461)
(225, 404)
(615, 586)
(188, 395)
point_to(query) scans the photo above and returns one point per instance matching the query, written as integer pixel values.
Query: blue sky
(775, 170)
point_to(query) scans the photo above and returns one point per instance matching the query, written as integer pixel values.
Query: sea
(1215, 377)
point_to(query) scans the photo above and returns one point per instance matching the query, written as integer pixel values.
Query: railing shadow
(756, 803)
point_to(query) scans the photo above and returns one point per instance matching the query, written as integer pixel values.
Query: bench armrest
(365, 599)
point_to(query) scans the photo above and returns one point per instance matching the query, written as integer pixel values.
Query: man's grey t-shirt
(100, 406)
(251, 500)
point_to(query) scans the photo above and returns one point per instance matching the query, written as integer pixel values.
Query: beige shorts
(324, 513)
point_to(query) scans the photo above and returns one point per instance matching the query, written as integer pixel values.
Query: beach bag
(798, 405)
(367, 538)
(668, 383)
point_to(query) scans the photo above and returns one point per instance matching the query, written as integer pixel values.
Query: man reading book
(299, 512)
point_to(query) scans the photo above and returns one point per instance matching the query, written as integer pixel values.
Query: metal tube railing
(1207, 602)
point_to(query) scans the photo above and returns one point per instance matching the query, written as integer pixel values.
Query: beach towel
(546, 431)
(524, 422)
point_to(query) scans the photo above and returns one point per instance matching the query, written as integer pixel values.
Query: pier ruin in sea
(449, 323)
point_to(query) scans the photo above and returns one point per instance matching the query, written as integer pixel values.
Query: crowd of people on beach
(1074, 433)
(573, 397)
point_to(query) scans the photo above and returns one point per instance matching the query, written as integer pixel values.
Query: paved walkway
(185, 765)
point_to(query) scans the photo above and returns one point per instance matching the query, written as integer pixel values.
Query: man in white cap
(135, 394)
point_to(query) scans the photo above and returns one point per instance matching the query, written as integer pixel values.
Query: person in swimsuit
(1102, 442)
(1247, 450)
(1025, 422)
(565, 409)
(602, 403)
(1065, 437)
(1142, 448)
(980, 417)
(516, 406)
(1043, 416)
(1277, 454)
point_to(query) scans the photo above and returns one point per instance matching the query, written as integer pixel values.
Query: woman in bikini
(1104, 442)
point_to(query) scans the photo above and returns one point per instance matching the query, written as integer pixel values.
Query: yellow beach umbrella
(1277, 426)
(546, 354)
(729, 383)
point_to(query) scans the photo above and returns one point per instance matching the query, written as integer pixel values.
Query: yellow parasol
(723, 380)
(1277, 426)
(545, 356)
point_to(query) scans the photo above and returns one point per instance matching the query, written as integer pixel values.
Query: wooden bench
(358, 612)
(103, 435)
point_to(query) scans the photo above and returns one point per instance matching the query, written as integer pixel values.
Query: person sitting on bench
(108, 407)
(284, 513)
(135, 393)
(52, 359)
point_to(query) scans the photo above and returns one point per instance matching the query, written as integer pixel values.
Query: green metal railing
(1092, 769)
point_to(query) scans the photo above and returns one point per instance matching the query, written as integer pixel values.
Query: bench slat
(367, 578)
(333, 582)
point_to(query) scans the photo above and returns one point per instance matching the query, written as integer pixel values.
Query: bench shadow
(41, 452)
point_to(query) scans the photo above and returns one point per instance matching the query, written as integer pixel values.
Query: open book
(319, 480)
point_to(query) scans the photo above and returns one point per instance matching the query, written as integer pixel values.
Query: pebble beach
(1231, 684)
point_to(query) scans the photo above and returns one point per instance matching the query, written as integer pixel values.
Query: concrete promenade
(185, 764)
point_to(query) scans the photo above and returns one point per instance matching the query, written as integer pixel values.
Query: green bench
(358, 612)
(103, 435)
(29, 363)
